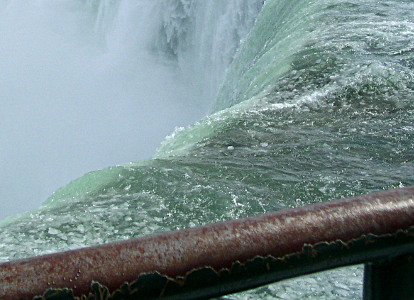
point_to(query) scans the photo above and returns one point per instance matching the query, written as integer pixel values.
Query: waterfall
(88, 84)
(314, 103)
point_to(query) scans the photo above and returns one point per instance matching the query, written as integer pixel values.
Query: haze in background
(316, 105)
(89, 84)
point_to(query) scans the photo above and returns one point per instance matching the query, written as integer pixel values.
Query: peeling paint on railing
(225, 257)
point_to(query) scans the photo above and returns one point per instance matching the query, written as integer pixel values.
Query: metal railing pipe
(226, 257)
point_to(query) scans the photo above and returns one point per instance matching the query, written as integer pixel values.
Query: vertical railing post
(390, 279)
(227, 257)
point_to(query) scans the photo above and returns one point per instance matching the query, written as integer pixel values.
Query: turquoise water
(317, 104)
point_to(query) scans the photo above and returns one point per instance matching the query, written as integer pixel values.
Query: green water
(317, 105)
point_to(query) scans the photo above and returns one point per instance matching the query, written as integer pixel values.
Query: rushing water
(90, 84)
(317, 104)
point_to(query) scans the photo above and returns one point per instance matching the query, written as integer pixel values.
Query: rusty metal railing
(222, 258)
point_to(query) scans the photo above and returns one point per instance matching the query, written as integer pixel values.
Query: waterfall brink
(311, 100)
(89, 84)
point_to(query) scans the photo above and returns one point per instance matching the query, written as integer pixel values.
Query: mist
(81, 92)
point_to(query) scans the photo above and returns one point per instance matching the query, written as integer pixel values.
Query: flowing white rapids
(314, 102)
(89, 84)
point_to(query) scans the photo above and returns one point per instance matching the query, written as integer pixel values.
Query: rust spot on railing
(224, 257)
